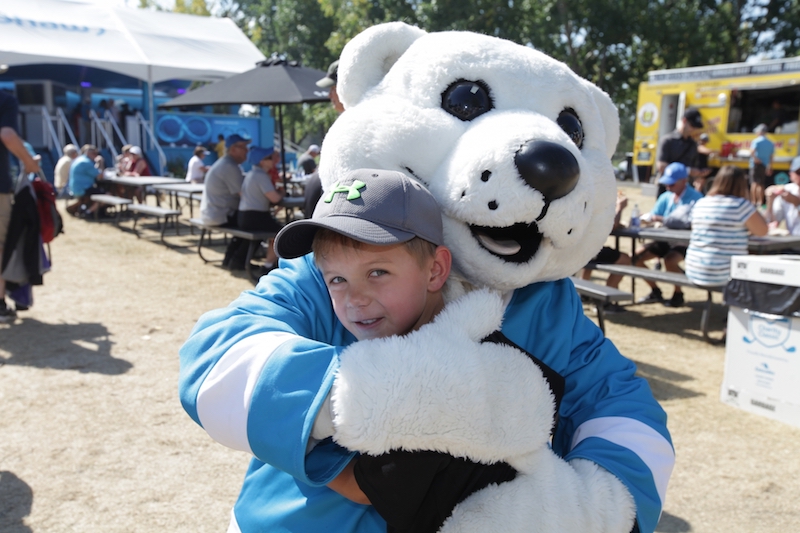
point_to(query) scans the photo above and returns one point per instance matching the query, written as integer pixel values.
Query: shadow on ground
(672, 524)
(16, 500)
(685, 322)
(82, 347)
(664, 382)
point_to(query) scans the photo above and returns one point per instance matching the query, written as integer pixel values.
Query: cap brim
(324, 83)
(295, 240)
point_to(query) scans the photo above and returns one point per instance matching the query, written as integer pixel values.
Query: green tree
(195, 7)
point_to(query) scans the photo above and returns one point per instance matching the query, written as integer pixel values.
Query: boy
(377, 240)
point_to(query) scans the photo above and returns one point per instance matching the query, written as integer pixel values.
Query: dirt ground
(93, 437)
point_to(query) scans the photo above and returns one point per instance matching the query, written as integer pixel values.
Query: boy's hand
(345, 484)
(441, 389)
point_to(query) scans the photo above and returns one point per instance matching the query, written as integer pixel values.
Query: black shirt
(678, 149)
(8, 119)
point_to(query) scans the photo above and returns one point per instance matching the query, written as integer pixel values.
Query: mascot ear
(609, 114)
(367, 58)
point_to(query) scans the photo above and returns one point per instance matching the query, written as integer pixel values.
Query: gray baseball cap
(380, 207)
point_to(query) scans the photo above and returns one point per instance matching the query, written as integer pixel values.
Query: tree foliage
(613, 43)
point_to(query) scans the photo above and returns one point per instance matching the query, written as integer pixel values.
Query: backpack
(50, 222)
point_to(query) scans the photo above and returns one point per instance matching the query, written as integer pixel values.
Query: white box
(776, 269)
(762, 365)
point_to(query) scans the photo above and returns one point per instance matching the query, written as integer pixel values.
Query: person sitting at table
(123, 158)
(678, 193)
(136, 164)
(257, 198)
(783, 201)
(610, 256)
(306, 164)
(83, 175)
(721, 222)
(223, 186)
(196, 169)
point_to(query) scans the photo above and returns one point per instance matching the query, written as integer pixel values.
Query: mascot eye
(571, 124)
(467, 100)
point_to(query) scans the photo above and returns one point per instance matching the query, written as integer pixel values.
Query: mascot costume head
(515, 146)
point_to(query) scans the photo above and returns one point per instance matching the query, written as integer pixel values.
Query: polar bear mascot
(516, 148)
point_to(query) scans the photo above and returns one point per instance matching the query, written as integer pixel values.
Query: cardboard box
(762, 351)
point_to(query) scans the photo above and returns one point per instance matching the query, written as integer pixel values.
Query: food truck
(733, 99)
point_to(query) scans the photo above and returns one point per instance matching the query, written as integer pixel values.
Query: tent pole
(283, 154)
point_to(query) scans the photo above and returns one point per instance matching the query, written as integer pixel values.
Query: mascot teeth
(499, 247)
(515, 244)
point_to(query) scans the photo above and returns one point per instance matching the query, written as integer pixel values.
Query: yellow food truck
(733, 99)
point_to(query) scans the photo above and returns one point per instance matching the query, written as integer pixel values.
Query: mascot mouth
(515, 244)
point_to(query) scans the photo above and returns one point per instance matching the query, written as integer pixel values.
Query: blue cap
(674, 173)
(235, 138)
(257, 154)
(795, 165)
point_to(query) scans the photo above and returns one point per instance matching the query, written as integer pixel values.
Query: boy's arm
(346, 485)
(254, 378)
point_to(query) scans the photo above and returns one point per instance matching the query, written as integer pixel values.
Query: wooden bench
(162, 214)
(108, 199)
(600, 295)
(253, 237)
(673, 278)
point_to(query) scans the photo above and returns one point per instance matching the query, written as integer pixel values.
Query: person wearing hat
(196, 169)
(761, 152)
(678, 193)
(783, 201)
(223, 187)
(306, 163)
(329, 82)
(377, 239)
(680, 146)
(137, 165)
(257, 198)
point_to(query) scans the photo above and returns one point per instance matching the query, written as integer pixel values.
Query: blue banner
(185, 129)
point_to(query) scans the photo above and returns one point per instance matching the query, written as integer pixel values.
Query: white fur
(486, 401)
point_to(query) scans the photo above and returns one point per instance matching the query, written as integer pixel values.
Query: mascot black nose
(548, 167)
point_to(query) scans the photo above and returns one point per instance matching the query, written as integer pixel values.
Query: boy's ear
(440, 270)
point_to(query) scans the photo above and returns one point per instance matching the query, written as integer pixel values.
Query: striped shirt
(718, 233)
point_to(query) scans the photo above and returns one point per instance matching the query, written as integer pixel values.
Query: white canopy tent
(148, 45)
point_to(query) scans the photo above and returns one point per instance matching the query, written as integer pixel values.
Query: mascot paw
(440, 388)
(548, 495)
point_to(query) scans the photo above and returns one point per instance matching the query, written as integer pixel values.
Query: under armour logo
(351, 190)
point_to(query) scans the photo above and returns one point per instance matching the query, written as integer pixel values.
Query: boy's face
(378, 291)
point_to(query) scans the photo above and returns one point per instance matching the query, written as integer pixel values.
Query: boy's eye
(336, 280)
(376, 273)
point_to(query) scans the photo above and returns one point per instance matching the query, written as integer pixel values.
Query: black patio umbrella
(274, 82)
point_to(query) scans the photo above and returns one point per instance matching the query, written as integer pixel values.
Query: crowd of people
(721, 210)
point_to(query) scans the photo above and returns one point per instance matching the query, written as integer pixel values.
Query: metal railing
(56, 130)
(148, 137)
(102, 135)
(108, 116)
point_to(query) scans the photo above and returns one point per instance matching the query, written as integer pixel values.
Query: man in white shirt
(783, 201)
(63, 165)
(196, 169)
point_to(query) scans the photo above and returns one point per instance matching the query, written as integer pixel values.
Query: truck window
(777, 108)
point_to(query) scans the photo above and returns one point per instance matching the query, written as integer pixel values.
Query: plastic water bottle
(635, 217)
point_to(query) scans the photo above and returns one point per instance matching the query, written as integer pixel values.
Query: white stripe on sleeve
(653, 449)
(224, 397)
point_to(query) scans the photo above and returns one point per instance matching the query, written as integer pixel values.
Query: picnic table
(755, 245)
(192, 191)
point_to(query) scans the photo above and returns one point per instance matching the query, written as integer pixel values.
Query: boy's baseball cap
(257, 154)
(379, 207)
(674, 173)
(230, 140)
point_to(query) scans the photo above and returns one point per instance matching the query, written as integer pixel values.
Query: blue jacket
(255, 374)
